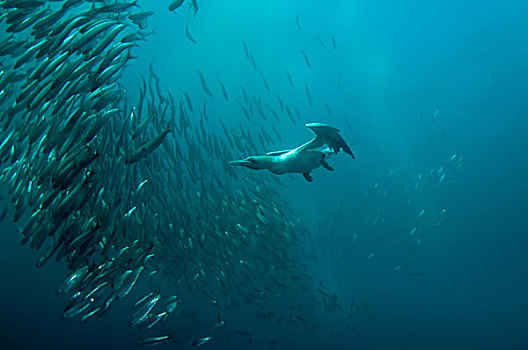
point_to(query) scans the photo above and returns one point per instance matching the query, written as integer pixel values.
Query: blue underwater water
(422, 238)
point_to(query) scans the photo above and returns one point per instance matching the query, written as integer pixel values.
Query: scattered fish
(334, 45)
(200, 341)
(308, 95)
(298, 21)
(305, 56)
(175, 4)
(148, 147)
(321, 42)
(224, 90)
(153, 340)
(290, 80)
(189, 35)
(204, 84)
(265, 81)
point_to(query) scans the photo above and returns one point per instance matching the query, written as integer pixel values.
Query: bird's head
(254, 162)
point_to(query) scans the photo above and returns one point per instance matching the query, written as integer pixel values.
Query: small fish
(153, 320)
(148, 147)
(290, 80)
(195, 6)
(246, 50)
(321, 42)
(308, 95)
(171, 304)
(459, 163)
(399, 267)
(252, 60)
(141, 15)
(441, 179)
(73, 280)
(224, 90)
(89, 315)
(188, 100)
(77, 308)
(117, 7)
(265, 81)
(129, 213)
(118, 282)
(175, 4)
(298, 21)
(144, 306)
(140, 186)
(126, 288)
(305, 57)
(328, 110)
(200, 341)
(442, 218)
(189, 35)
(153, 340)
(334, 42)
(219, 321)
(244, 95)
(204, 83)
(204, 110)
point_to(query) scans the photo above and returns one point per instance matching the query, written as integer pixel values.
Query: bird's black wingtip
(347, 150)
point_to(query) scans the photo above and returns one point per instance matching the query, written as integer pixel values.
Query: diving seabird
(304, 158)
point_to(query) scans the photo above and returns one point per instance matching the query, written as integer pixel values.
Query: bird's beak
(240, 162)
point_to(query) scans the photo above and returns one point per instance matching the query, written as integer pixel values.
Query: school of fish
(139, 189)
(123, 190)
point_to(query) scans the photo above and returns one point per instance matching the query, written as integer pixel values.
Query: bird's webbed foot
(307, 177)
(326, 165)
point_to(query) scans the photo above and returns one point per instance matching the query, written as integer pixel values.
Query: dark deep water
(418, 82)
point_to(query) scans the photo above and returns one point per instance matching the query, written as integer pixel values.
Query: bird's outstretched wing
(326, 135)
(277, 153)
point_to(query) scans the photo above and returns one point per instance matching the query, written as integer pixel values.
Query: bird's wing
(277, 153)
(326, 136)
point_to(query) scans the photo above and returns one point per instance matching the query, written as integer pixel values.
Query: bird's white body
(297, 160)
(304, 158)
